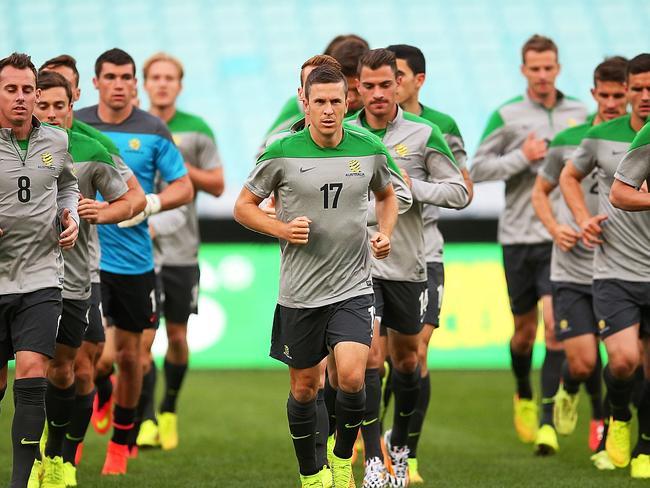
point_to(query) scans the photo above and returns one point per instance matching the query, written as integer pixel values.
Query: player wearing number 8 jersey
(38, 196)
(320, 177)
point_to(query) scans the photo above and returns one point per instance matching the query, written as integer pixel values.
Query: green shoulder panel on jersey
(642, 137)
(496, 120)
(573, 135)
(89, 131)
(290, 109)
(617, 130)
(300, 145)
(445, 122)
(436, 139)
(84, 149)
(184, 122)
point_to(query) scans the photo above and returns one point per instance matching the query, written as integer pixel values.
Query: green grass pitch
(234, 434)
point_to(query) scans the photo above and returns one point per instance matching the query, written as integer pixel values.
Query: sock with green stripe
(350, 408)
(417, 420)
(406, 390)
(59, 403)
(81, 413)
(371, 429)
(551, 374)
(302, 426)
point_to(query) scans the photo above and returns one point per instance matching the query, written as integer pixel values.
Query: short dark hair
(319, 60)
(638, 64)
(348, 53)
(412, 55)
(539, 44)
(611, 69)
(377, 58)
(114, 56)
(334, 43)
(62, 60)
(325, 74)
(52, 79)
(19, 61)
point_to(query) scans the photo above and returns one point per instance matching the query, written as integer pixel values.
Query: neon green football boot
(546, 441)
(525, 419)
(618, 442)
(342, 472)
(565, 412)
(311, 481)
(168, 430)
(148, 434)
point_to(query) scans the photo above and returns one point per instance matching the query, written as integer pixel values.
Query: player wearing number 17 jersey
(320, 177)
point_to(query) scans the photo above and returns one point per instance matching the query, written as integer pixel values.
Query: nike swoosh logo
(25, 442)
(58, 426)
(348, 426)
(369, 422)
(645, 437)
(74, 439)
(304, 170)
(297, 438)
(617, 153)
(407, 414)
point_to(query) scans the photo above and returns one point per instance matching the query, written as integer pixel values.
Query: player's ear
(419, 80)
(593, 94)
(95, 82)
(305, 104)
(38, 94)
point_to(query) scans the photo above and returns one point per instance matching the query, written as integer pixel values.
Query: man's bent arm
(570, 179)
(177, 193)
(386, 208)
(628, 198)
(248, 213)
(542, 203)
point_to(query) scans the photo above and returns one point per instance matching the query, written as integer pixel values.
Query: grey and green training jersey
(500, 157)
(329, 186)
(196, 143)
(34, 191)
(401, 188)
(433, 239)
(623, 254)
(574, 266)
(290, 112)
(95, 172)
(419, 148)
(108, 144)
(634, 170)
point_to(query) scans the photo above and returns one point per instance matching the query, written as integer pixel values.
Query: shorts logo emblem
(602, 325)
(564, 324)
(401, 150)
(135, 144)
(286, 351)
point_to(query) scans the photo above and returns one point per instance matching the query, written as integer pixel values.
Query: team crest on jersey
(47, 161)
(401, 150)
(355, 168)
(135, 144)
(177, 139)
(572, 122)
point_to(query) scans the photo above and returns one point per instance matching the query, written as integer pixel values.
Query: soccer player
(571, 262)
(400, 282)
(95, 172)
(320, 178)
(348, 53)
(344, 48)
(38, 217)
(163, 76)
(513, 146)
(95, 339)
(621, 289)
(127, 275)
(411, 69)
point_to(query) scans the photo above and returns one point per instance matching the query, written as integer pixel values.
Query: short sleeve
(108, 181)
(169, 161)
(265, 177)
(381, 175)
(584, 159)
